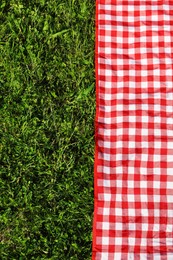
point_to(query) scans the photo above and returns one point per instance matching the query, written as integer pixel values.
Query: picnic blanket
(133, 176)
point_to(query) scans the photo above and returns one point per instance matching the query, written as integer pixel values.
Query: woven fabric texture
(133, 181)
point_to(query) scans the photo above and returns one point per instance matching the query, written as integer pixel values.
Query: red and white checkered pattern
(133, 215)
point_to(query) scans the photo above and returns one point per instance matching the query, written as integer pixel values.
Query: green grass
(47, 109)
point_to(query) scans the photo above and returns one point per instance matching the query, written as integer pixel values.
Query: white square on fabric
(155, 38)
(105, 240)
(156, 198)
(107, 132)
(120, 39)
(108, 50)
(157, 132)
(132, 119)
(144, 119)
(118, 240)
(132, 73)
(106, 211)
(131, 212)
(108, 38)
(119, 183)
(131, 241)
(157, 145)
(143, 184)
(156, 184)
(154, 17)
(119, 7)
(108, 97)
(169, 185)
(107, 144)
(131, 184)
(120, 61)
(108, 109)
(118, 226)
(108, 84)
(144, 211)
(156, 212)
(143, 243)
(132, 226)
(107, 120)
(119, 108)
(156, 157)
(145, 227)
(105, 225)
(131, 170)
(102, 256)
(144, 157)
(107, 197)
(119, 131)
(156, 227)
(107, 156)
(144, 171)
(108, 72)
(118, 212)
(144, 73)
(170, 213)
(106, 183)
(131, 197)
(132, 144)
(144, 197)
(106, 170)
(131, 8)
(157, 170)
(106, 7)
(169, 171)
(131, 51)
(144, 131)
(119, 170)
(120, 73)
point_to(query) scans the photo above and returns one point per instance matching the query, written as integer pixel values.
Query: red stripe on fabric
(96, 135)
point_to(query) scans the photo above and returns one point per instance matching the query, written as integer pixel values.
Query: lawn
(47, 110)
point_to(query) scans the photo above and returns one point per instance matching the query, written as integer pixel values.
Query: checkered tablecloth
(133, 207)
